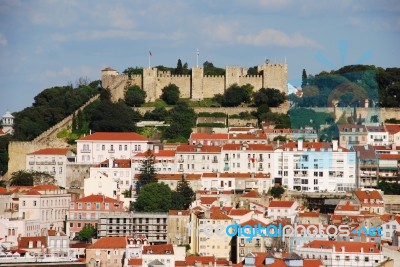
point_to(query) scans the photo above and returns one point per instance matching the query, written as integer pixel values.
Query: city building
(177, 227)
(352, 134)
(377, 136)
(315, 167)
(52, 161)
(158, 255)
(7, 122)
(164, 161)
(213, 139)
(88, 210)
(367, 166)
(97, 147)
(198, 158)
(107, 251)
(278, 209)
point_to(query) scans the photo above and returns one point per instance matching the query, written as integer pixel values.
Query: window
(107, 206)
(79, 206)
(23, 203)
(60, 170)
(366, 259)
(125, 147)
(112, 147)
(88, 205)
(34, 203)
(103, 147)
(120, 147)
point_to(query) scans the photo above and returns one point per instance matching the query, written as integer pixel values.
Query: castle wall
(213, 85)
(76, 173)
(182, 81)
(197, 92)
(255, 80)
(150, 84)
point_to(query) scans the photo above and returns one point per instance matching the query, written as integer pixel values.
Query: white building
(99, 146)
(7, 122)
(342, 253)
(164, 161)
(46, 204)
(50, 160)
(247, 158)
(197, 158)
(278, 209)
(158, 255)
(377, 136)
(315, 166)
(390, 228)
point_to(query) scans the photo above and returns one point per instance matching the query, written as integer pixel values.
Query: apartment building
(52, 161)
(253, 137)
(370, 201)
(46, 204)
(97, 147)
(257, 158)
(198, 158)
(367, 166)
(106, 251)
(278, 209)
(377, 136)
(177, 227)
(341, 253)
(88, 210)
(153, 225)
(214, 139)
(315, 166)
(164, 161)
(243, 245)
(389, 166)
(393, 131)
(352, 134)
(159, 255)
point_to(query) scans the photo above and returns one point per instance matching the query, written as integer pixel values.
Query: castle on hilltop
(195, 86)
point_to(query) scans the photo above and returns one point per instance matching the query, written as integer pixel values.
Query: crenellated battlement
(197, 85)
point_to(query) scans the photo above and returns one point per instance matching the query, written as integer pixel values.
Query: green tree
(277, 191)
(183, 119)
(170, 94)
(4, 141)
(148, 172)
(87, 232)
(154, 197)
(135, 96)
(186, 192)
(269, 96)
(133, 71)
(236, 95)
(253, 71)
(157, 114)
(177, 201)
(3, 183)
(21, 178)
(304, 78)
(179, 67)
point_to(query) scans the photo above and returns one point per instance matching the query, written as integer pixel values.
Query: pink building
(88, 210)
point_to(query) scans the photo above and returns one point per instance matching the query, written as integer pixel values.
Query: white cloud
(119, 18)
(275, 37)
(3, 40)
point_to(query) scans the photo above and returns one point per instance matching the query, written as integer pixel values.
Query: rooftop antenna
(197, 58)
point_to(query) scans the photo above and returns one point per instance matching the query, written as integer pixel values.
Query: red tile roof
(253, 223)
(199, 149)
(219, 215)
(208, 200)
(97, 198)
(353, 247)
(347, 206)
(32, 192)
(177, 176)
(51, 151)
(23, 242)
(309, 214)
(281, 204)
(109, 242)
(45, 187)
(114, 136)
(246, 136)
(389, 156)
(161, 153)
(252, 147)
(367, 194)
(116, 163)
(392, 128)
(158, 249)
(3, 191)
(311, 145)
(236, 212)
(135, 262)
(205, 136)
(252, 194)
(178, 212)
(191, 260)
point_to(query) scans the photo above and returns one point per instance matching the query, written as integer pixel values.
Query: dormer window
(167, 252)
(149, 251)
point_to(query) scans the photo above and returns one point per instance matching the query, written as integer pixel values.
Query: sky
(47, 43)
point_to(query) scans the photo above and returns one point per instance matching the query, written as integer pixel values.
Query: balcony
(180, 170)
(214, 161)
(378, 140)
(226, 159)
(260, 159)
(353, 142)
(60, 163)
(111, 151)
(260, 168)
(180, 160)
(31, 163)
(85, 150)
(226, 168)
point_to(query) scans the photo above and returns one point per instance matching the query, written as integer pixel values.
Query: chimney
(393, 147)
(335, 145)
(300, 144)
(156, 149)
(110, 163)
(343, 249)
(366, 103)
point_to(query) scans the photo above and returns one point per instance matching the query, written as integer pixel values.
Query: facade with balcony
(352, 135)
(87, 210)
(164, 161)
(367, 166)
(153, 225)
(197, 159)
(389, 167)
(377, 136)
(315, 166)
(97, 147)
(253, 158)
(50, 160)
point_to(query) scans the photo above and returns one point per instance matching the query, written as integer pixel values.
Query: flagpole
(197, 58)
(149, 59)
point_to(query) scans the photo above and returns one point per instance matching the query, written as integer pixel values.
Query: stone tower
(232, 74)
(275, 76)
(197, 83)
(150, 84)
